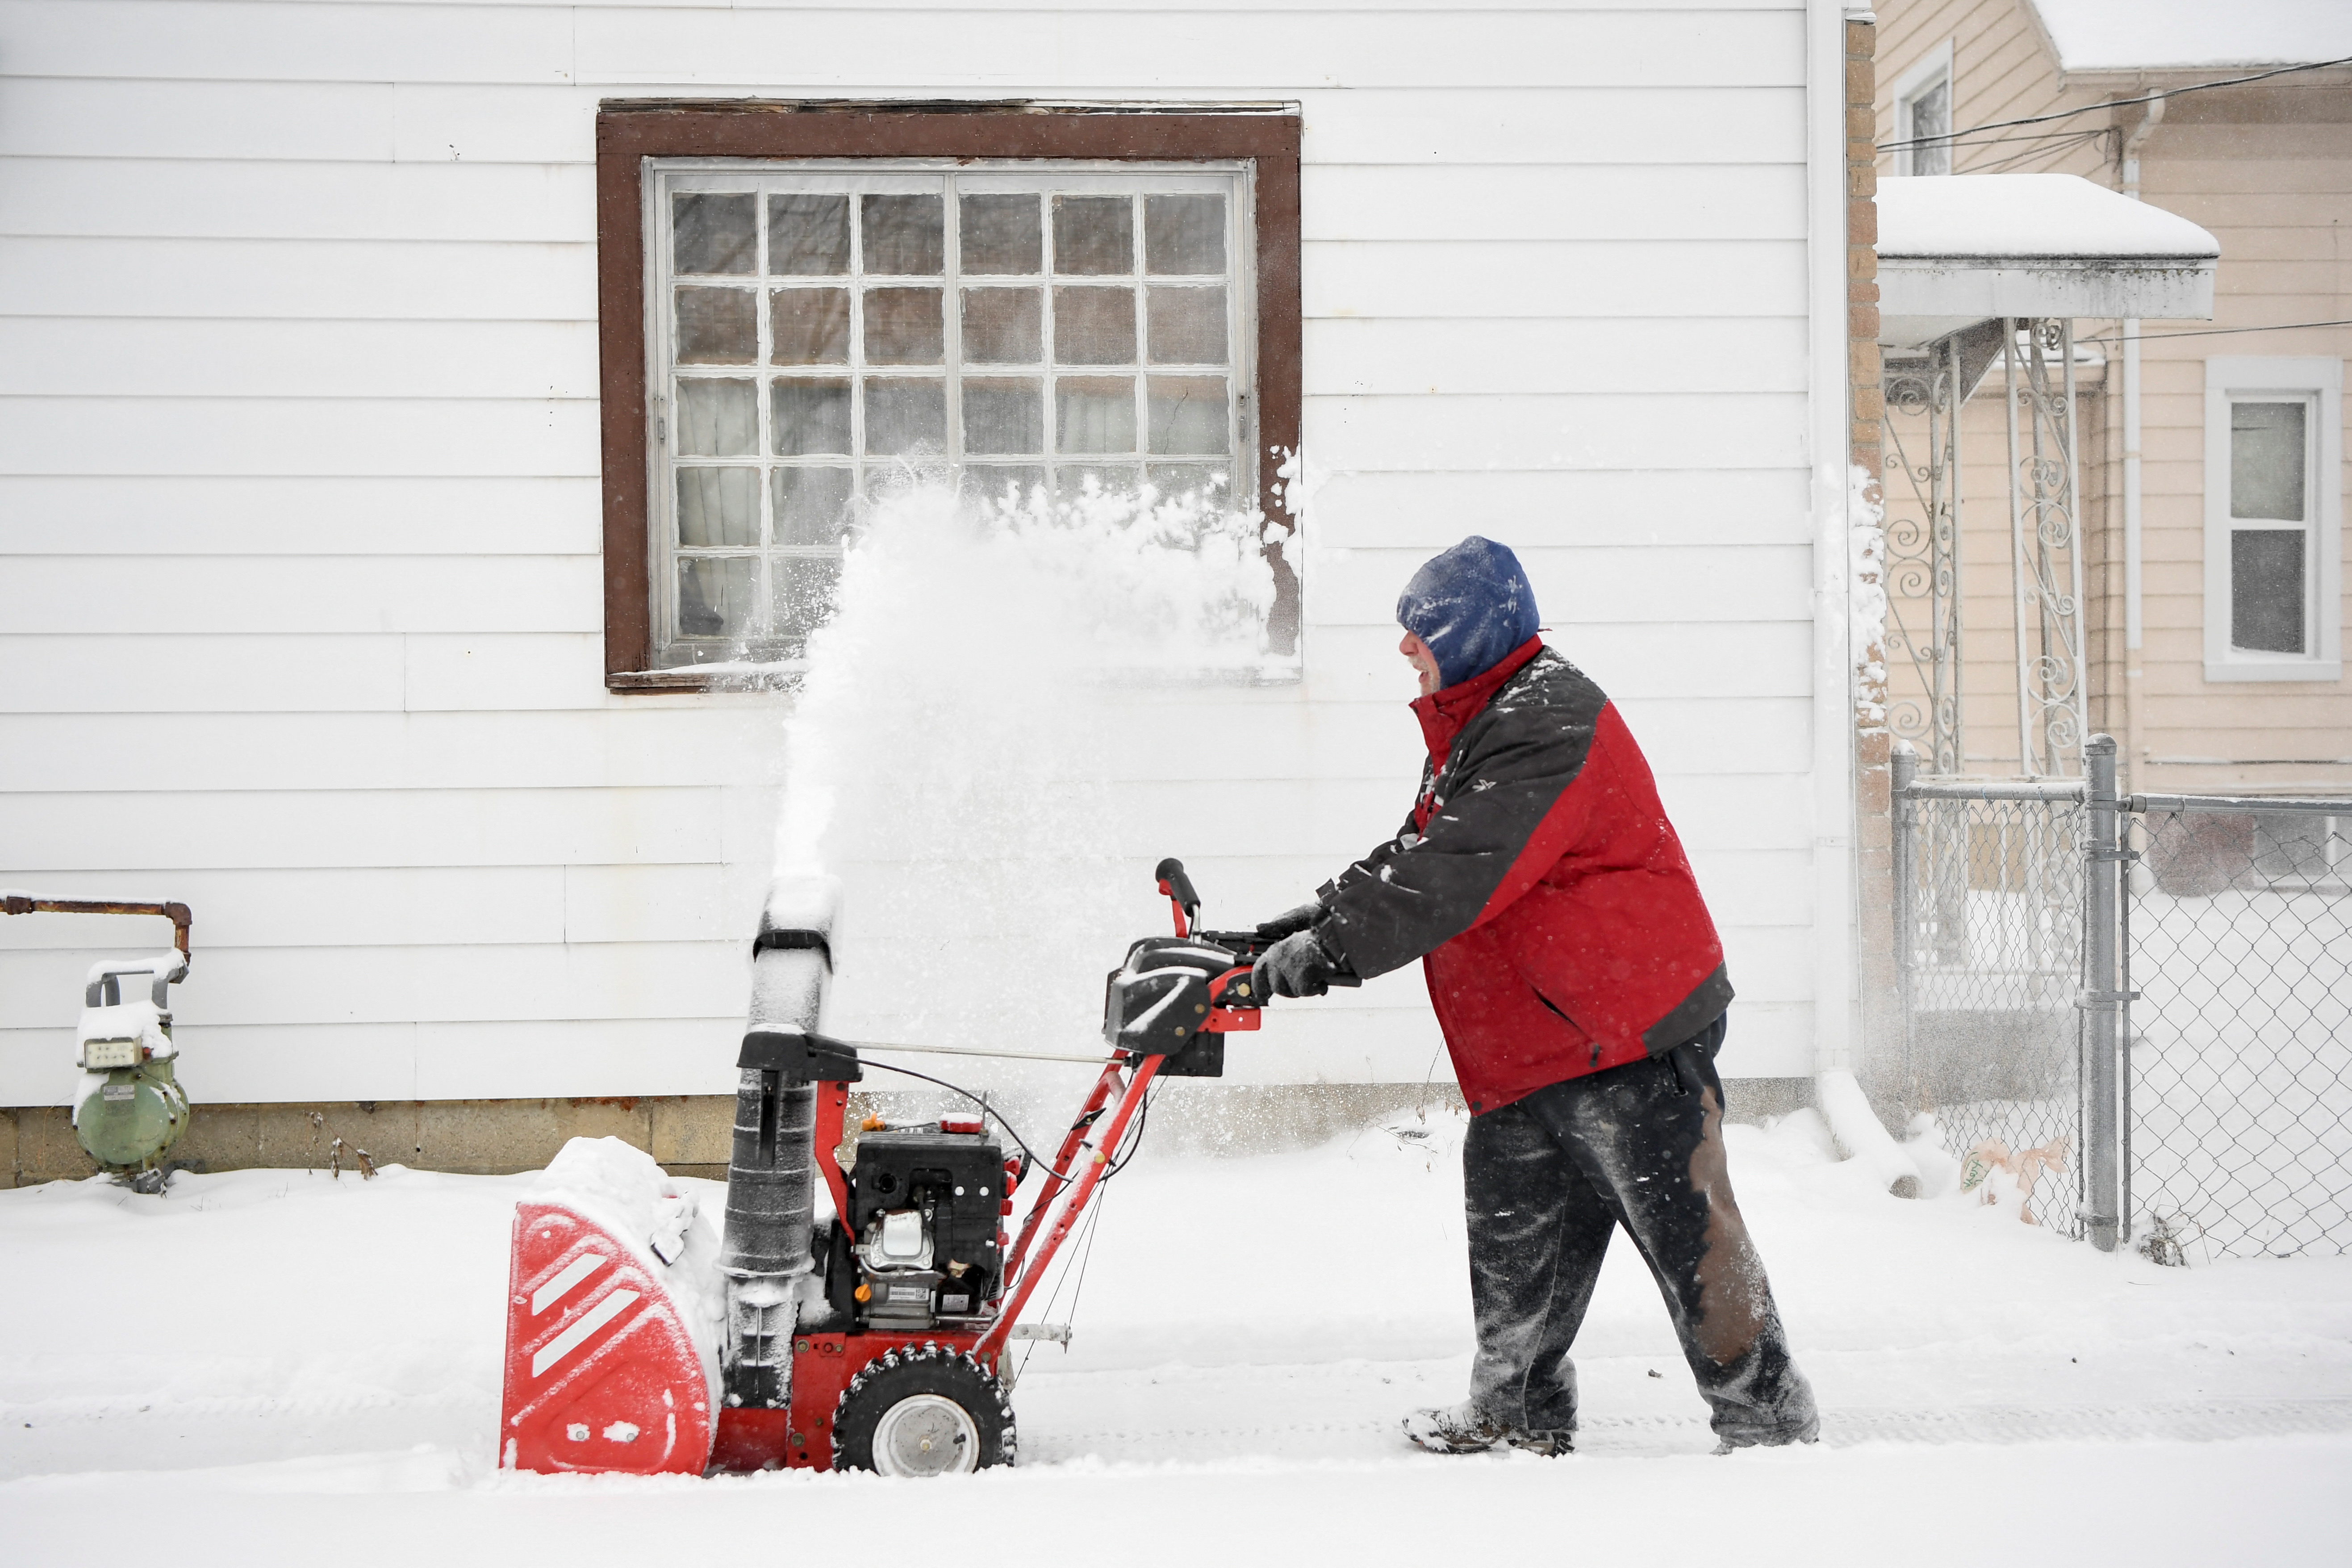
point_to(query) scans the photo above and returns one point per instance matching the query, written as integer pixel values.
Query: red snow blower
(871, 1339)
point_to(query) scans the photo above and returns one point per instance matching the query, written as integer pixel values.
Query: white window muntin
(1061, 472)
(2316, 385)
(1913, 91)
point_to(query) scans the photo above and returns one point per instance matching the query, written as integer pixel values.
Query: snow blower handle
(1182, 895)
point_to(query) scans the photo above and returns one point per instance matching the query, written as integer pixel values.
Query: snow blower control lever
(873, 1337)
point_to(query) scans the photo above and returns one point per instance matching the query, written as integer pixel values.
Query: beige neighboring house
(2213, 610)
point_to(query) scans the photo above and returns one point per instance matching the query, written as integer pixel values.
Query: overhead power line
(2111, 103)
(2220, 332)
(2059, 147)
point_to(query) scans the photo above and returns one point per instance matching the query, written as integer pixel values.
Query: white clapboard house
(392, 431)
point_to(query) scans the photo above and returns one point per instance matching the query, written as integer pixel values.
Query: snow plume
(1867, 603)
(989, 672)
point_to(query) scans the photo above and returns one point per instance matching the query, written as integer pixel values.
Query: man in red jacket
(1580, 987)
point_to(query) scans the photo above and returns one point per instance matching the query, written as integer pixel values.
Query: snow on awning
(1957, 250)
(2180, 35)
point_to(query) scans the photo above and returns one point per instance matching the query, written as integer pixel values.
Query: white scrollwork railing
(2045, 546)
(1923, 532)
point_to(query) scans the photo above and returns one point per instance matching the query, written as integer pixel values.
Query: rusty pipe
(26, 904)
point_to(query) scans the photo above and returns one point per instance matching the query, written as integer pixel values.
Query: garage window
(815, 330)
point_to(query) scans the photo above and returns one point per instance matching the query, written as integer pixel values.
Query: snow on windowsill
(781, 676)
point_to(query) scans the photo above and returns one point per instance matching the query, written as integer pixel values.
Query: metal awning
(1957, 249)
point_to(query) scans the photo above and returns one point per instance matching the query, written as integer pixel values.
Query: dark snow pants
(1549, 1178)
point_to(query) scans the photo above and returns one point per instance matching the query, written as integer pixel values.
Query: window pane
(718, 418)
(1095, 414)
(717, 506)
(1002, 234)
(812, 505)
(2266, 590)
(1931, 115)
(809, 326)
(1188, 325)
(1093, 326)
(712, 232)
(1094, 234)
(1211, 486)
(810, 416)
(717, 598)
(716, 326)
(903, 327)
(1004, 486)
(1003, 326)
(905, 417)
(808, 235)
(1118, 478)
(905, 235)
(1003, 418)
(2266, 461)
(803, 587)
(1187, 413)
(1183, 233)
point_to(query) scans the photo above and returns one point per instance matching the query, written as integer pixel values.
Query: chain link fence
(2148, 993)
(1990, 902)
(2240, 1121)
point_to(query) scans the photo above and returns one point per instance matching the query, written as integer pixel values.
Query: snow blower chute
(869, 1337)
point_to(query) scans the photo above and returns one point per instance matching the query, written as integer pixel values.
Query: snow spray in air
(984, 752)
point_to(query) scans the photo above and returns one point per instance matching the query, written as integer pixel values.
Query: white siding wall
(300, 606)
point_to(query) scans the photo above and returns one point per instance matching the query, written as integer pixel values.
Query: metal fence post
(1903, 769)
(2101, 1000)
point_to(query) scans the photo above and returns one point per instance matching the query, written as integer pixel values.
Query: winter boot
(1462, 1429)
(1805, 1429)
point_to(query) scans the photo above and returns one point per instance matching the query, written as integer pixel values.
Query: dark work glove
(1291, 922)
(1298, 965)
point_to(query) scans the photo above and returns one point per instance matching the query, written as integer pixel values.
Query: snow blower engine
(867, 1333)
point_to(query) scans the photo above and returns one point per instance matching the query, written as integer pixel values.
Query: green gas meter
(128, 1106)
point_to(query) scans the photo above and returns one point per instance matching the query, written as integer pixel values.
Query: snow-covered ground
(307, 1368)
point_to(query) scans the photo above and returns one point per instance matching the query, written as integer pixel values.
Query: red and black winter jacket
(1539, 879)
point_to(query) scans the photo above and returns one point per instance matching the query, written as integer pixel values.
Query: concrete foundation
(688, 1133)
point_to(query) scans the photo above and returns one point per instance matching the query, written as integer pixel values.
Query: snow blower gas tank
(924, 1204)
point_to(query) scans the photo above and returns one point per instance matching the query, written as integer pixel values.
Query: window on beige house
(1922, 114)
(2273, 521)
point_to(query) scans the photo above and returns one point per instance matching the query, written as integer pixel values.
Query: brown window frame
(631, 131)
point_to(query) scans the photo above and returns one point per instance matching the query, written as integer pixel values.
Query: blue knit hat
(1472, 605)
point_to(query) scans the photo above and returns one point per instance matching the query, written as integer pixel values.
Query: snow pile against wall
(953, 746)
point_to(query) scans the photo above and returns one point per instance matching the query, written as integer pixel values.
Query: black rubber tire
(902, 1374)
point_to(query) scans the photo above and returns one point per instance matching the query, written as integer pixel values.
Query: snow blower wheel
(931, 1412)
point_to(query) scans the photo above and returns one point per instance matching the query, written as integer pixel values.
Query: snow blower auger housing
(872, 1337)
